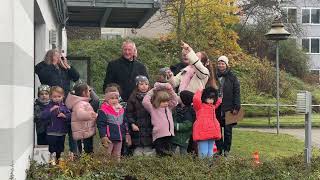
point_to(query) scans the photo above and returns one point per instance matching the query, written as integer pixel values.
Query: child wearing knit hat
(39, 105)
(164, 75)
(139, 119)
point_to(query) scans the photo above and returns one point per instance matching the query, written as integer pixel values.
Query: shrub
(177, 167)
(101, 52)
(257, 77)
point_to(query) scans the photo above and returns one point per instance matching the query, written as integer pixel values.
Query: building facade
(155, 27)
(306, 13)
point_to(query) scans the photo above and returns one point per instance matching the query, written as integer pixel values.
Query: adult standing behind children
(229, 90)
(124, 70)
(56, 71)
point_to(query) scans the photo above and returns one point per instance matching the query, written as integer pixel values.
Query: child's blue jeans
(205, 148)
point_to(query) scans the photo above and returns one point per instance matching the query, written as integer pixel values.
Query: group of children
(155, 121)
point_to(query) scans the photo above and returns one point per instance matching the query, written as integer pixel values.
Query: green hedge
(177, 167)
(153, 54)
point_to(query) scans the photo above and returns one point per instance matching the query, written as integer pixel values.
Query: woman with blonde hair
(55, 70)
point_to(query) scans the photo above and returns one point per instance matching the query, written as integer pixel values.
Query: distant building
(306, 13)
(153, 28)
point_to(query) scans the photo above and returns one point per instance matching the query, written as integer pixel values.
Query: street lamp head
(277, 31)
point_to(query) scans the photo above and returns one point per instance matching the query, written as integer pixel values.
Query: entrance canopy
(105, 13)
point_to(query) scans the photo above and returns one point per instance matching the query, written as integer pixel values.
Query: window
(108, 36)
(305, 45)
(289, 15)
(311, 16)
(311, 45)
(314, 45)
(315, 16)
(305, 15)
(292, 15)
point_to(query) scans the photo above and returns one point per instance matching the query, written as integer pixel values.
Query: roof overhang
(105, 13)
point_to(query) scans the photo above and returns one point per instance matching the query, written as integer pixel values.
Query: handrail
(274, 105)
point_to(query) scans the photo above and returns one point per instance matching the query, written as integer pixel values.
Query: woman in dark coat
(229, 90)
(55, 71)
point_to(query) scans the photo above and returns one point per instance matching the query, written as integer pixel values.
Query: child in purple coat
(59, 116)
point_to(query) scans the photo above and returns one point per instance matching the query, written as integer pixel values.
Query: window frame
(310, 18)
(287, 17)
(309, 50)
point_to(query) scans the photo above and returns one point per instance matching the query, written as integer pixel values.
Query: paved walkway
(298, 133)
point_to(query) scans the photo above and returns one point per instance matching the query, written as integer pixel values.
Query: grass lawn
(293, 121)
(267, 144)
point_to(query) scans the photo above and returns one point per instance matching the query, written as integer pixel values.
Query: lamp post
(277, 33)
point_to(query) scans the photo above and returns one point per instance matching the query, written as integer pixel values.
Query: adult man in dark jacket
(229, 89)
(124, 70)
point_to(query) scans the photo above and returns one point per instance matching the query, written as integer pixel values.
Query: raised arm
(146, 102)
(174, 98)
(218, 103)
(201, 71)
(175, 80)
(197, 100)
(73, 74)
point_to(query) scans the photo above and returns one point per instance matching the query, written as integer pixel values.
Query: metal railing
(271, 113)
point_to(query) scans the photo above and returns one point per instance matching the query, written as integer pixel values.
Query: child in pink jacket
(83, 117)
(159, 102)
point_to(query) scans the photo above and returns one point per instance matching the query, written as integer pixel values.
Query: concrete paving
(298, 133)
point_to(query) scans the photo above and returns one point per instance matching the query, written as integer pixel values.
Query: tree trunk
(180, 13)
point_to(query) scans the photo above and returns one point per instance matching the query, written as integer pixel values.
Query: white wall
(21, 44)
(42, 29)
(16, 86)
